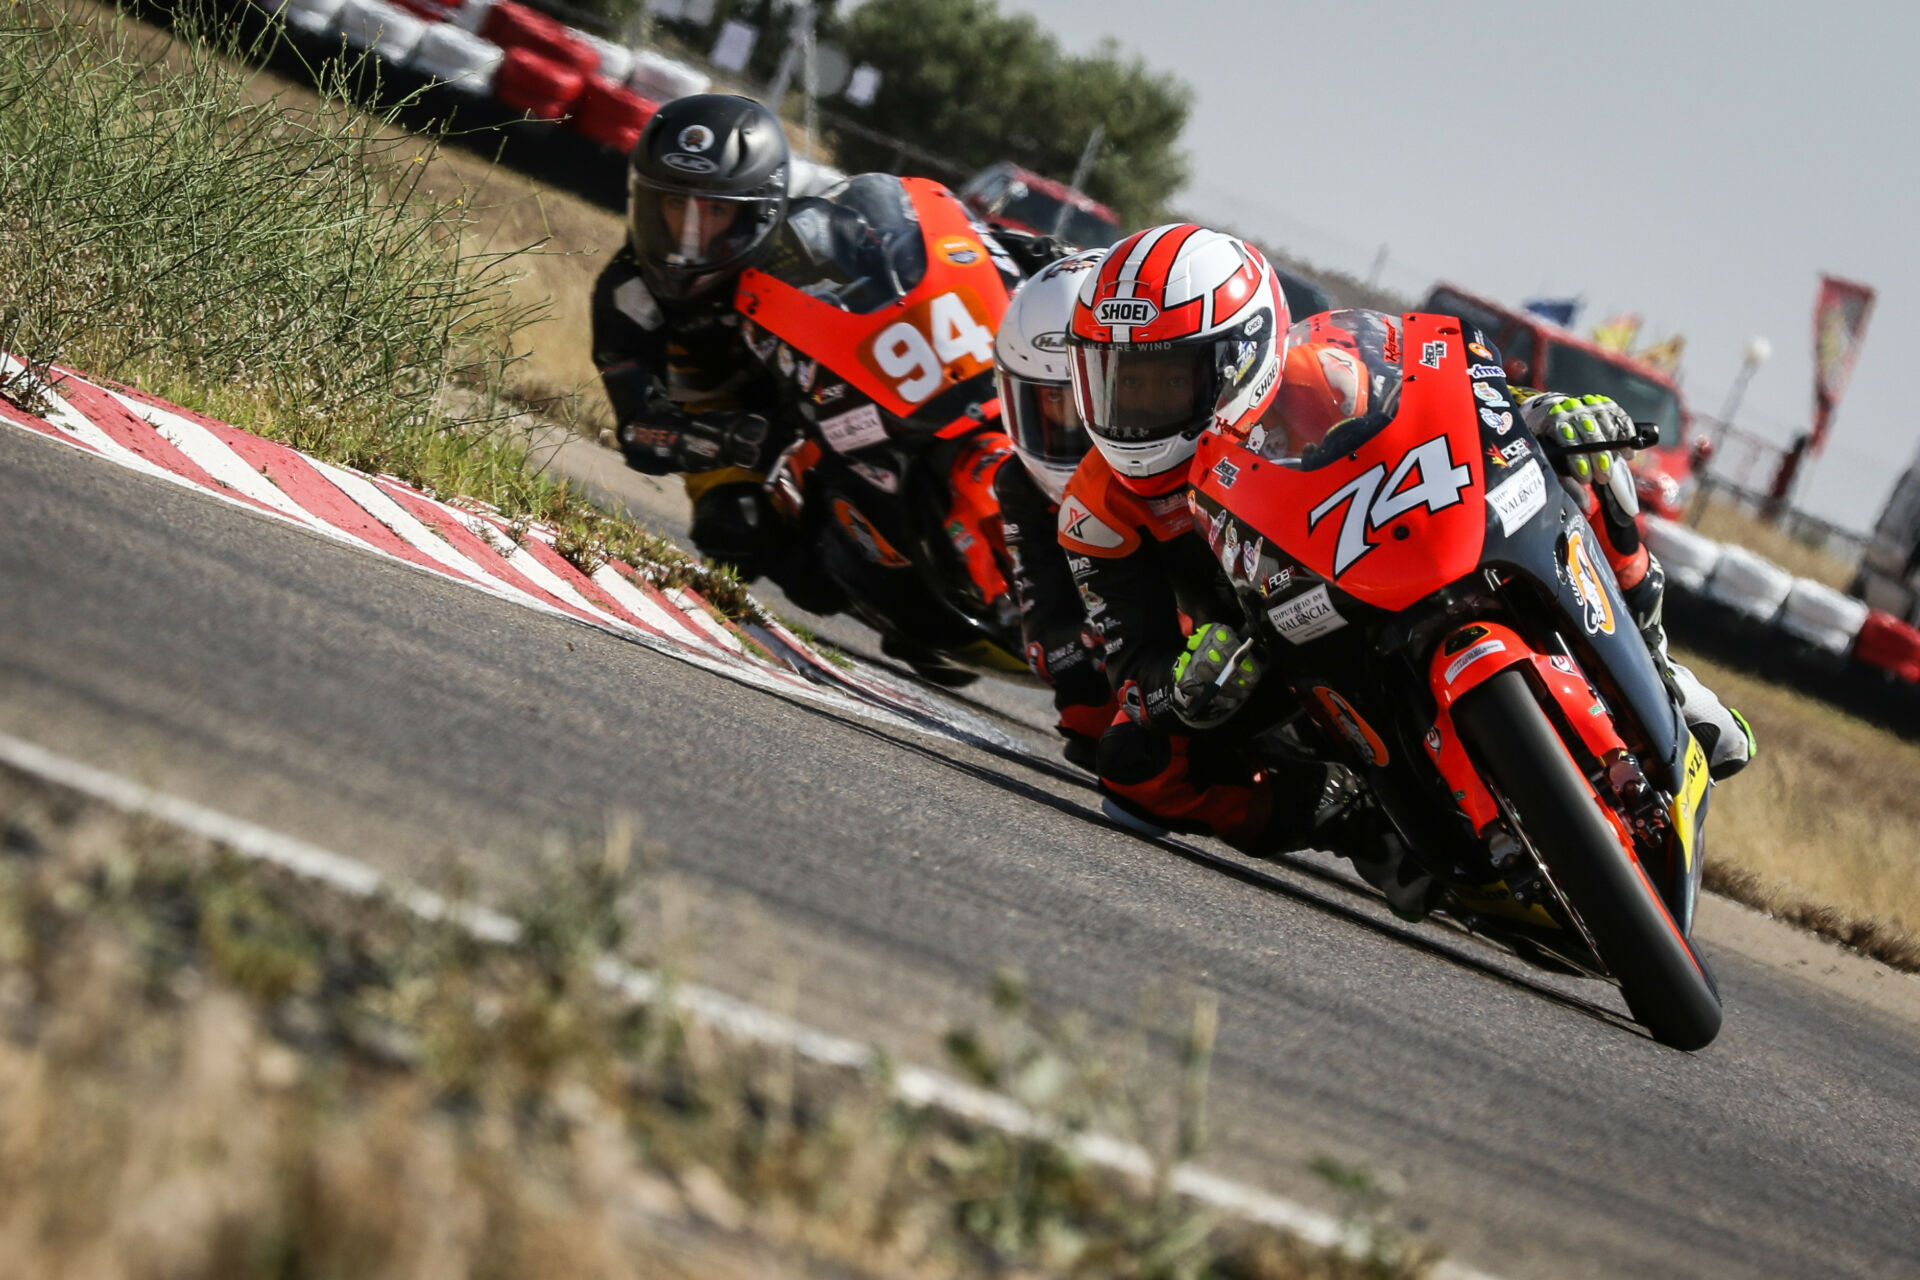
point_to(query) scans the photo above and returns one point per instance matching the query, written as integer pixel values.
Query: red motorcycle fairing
(1469, 657)
(1393, 517)
(929, 340)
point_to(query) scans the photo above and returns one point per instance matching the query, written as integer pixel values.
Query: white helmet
(1179, 330)
(1030, 367)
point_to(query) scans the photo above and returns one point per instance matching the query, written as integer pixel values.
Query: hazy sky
(1699, 163)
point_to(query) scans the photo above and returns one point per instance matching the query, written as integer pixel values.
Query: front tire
(1665, 983)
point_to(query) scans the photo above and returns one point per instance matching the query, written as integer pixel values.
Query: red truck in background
(1538, 353)
(1006, 195)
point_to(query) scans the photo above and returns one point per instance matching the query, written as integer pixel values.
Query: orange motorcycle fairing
(1473, 654)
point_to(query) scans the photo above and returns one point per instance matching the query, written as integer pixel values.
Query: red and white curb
(914, 1086)
(463, 541)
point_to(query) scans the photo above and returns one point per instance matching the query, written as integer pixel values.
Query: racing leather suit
(679, 379)
(1141, 568)
(1061, 647)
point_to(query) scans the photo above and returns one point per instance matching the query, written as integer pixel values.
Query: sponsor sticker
(854, 429)
(1560, 662)
(1486, 648)
(1051, 340)
(696, 137)
(1488, 396)
(1434, 740)
(1353, 726)
(689, 164)
(1432, 353)
(873, 545)
(879, 478)
(1277, 581)
(1112, 311)
(1480, 351)
(1515, 452)
(786, 361)
(828, 394)
(1080, 524)
(809, 369)
(1495, 458)
(960, 251)
(1501, 422)
(1226, 473)
(1486, 371)
(1307, 616)
(1597, 613)
(1250, 558)
(1253, 327)
(1520, 497)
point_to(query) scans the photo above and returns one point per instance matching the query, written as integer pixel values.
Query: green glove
(1214, 677)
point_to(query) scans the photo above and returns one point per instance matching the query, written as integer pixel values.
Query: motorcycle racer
(706, 191)
(1325, 383)
(1038, 412)
(1179, 329)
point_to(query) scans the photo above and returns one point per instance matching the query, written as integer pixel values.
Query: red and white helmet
(1180, 330)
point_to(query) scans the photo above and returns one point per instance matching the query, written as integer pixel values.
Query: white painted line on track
(915, 1086)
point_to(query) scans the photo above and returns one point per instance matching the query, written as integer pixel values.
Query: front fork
(1643, 817)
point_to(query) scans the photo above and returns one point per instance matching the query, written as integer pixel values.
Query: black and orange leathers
(1140, 569)
(1060, 647)
(659, 359)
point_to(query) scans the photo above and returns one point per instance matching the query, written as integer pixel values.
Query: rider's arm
(1052, 623)
(629, 341)
(1130, 602)
(631, 350)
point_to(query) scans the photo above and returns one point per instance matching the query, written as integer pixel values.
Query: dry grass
(1823, 828)
(1726, 521)
(210, 1069)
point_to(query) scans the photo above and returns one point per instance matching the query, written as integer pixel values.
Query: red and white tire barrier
(462, 540)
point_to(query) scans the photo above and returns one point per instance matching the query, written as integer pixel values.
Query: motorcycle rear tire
(1665, 983)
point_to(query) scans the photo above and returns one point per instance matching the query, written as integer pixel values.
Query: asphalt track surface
(873, 880)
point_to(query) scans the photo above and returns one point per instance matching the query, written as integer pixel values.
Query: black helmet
(706, 189)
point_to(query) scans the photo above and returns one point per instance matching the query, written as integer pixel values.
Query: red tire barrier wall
(514, 26)
(612, 114)
(539, 86)
(1889, 644)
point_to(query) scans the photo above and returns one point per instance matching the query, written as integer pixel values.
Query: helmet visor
(1142, 393)
(1043, 420)
(694, 232)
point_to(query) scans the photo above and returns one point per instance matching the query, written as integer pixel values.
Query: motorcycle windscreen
(885, 283)
(1388, 505)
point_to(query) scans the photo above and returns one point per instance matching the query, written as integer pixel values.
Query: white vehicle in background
(1889, 577)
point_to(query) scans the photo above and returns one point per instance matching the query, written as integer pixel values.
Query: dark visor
(1043, 420)
(1134, 394)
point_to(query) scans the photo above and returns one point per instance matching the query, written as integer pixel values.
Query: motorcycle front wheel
(1665, 983)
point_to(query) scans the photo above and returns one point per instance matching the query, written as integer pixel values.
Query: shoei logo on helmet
(1112, 311)
(696, 137)
(689, 164)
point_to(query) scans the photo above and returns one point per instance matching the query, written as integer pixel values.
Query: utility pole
(1088, 154)
(799, 46)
